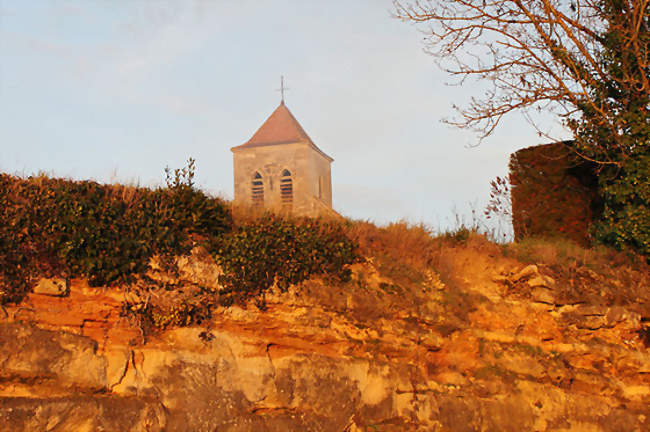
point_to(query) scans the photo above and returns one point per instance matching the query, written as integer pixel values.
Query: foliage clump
(106, 233)
(272, 250)
(623, 143)
(109, 233)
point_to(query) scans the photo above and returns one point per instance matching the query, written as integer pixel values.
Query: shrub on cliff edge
(105, 233)
(272, 249)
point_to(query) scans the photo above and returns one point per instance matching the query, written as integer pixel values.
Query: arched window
(286, 189)
(257, 190)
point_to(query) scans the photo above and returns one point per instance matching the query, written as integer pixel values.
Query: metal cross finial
(282, 88)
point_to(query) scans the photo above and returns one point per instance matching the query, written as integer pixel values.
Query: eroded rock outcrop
(483, 351)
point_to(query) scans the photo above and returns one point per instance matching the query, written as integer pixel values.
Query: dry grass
(409, 245)
(243, 214)
(128, 194)
(596, 275)
(409, 253)
(562, 252)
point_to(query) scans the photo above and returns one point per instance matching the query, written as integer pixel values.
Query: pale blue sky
(116, 90)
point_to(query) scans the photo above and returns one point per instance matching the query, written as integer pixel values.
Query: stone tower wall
(305, 164)
(554, 193)
(320, 180)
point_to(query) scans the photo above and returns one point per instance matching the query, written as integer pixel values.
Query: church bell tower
(281, 169)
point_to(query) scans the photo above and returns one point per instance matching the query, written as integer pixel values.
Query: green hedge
(108, 234)
(105, 233)
(272, 250)
(626, 193)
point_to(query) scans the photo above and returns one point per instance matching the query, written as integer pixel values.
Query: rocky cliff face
(494, 345)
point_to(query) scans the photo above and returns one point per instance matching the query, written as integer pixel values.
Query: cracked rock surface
(485, 351)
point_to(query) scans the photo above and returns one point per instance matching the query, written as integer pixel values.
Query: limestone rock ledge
(374, 355)
(57, 381)
(81, 413)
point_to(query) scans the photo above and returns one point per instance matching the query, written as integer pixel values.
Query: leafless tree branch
(543, 54)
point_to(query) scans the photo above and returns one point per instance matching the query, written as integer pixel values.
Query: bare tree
(553, 55)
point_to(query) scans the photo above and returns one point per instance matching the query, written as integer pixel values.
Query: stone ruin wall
(554, 193)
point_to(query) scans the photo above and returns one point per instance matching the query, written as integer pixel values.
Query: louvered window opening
(286, 189)
(257, 190)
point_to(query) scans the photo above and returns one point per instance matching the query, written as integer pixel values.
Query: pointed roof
(280, 128)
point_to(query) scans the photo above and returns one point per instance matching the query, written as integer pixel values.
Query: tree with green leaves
(587, 61)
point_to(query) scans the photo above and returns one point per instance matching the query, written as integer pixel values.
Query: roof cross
(282, 88)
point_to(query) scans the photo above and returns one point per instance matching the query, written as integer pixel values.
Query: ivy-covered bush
(103, 232)
(620, 139)
(271, 250)
(109, 233)
(625, 223)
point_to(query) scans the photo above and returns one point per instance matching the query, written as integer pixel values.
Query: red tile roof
(280, 128)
